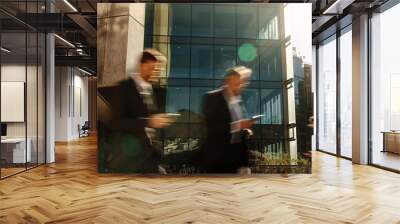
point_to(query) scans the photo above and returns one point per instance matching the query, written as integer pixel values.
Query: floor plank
(71, 191)
(387, 159)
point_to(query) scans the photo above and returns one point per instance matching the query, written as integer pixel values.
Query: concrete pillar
(120, 39)
(360, 90)
(50, 98)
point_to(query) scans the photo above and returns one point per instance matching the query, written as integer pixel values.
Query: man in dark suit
(224, 150)
(134, 119)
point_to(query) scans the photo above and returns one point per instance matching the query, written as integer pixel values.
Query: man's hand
(247, 133)
(246, 124)
(159, 121)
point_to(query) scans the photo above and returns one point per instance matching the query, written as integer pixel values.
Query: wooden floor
(387, 159)
(5, 172)
(71, 191)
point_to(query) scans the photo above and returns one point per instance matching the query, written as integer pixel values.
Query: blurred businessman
(135, 118)
(224, 150)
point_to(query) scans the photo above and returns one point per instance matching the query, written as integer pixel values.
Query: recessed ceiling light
(65, 41)
(70, 5)
(84, 71)
(5, 50)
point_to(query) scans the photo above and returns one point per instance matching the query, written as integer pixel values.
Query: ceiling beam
(337, 7)
(82, 61)
(84, 24)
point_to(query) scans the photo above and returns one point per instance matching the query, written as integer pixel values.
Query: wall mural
(215, 88)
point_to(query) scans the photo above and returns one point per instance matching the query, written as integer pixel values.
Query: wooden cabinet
(391, 142)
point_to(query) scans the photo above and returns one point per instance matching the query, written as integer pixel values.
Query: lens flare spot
(247, 52)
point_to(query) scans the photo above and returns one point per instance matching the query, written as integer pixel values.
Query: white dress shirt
(143, 87)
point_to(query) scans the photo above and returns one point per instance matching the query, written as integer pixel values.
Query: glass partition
(385, 89)
(22, 90)
(31, 100)
(15, 149)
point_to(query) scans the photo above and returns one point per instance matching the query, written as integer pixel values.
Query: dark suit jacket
(217, 118)
(133, 150)
(218, 154)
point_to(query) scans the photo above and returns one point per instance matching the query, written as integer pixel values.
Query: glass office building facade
(201, 41)
(22, 87)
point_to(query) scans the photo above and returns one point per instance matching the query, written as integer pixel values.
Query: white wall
(15, 73)
(33, 126)
(71, 93)
(79, 117)
(61, 103)
(12, 73)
